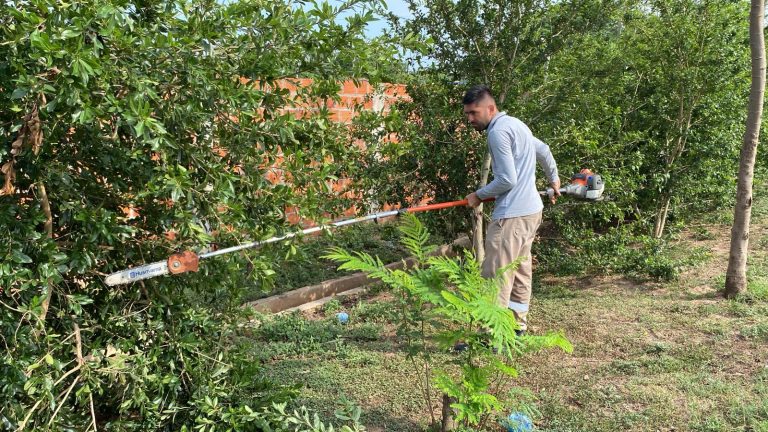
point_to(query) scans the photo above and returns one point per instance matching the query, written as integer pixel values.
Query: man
(517, 212)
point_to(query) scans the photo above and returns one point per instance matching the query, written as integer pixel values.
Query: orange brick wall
(353, 97)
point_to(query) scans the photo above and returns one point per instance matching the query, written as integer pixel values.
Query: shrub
(131, 130)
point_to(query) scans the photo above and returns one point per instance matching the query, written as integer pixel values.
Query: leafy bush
(618, 250)
(129, 131)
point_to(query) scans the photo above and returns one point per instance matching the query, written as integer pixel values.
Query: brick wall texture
(353, 97)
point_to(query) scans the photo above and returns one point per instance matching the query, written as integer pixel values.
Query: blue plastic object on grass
(342, 317)
(518, 422)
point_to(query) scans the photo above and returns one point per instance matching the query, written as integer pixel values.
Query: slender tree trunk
(736, 276)
(478, 240)
(661, 216)
(46, 205)
(684, 122)
(448, 423)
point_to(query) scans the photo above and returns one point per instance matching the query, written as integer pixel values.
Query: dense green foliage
(106, 106)
(650, 94)
(446, 300)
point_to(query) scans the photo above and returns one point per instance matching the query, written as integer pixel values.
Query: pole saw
(585, 185)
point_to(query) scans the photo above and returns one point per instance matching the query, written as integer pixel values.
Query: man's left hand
(556, 188)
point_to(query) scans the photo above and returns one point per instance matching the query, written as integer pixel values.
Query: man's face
(480, 113)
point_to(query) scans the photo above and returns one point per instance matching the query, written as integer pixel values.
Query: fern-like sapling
(443, 301)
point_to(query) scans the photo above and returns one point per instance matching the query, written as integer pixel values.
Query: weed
(718, 282)
(358, 358)
(376, 311)
(715, 328)
(332, 306)
(753, 301)
(553, 292)
(365, 332)
(710, 423)
(759, 331)
(758, 289)
(292, 334)
(701, 233)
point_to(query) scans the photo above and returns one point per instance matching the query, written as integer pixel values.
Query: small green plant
(702, 233)
(758, 289)
(375, 311)
(365, 332)
(291, 333)
(759, 332)
(332, 307)
(755, 294)
(443, 301)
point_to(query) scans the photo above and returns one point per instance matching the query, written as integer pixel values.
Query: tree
(736, 275)
(648, 99)
(637, 91)
(442, 301)
(685, 69)
(505, 45)
(129, 130)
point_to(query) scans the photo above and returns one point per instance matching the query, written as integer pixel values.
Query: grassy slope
(648, 356)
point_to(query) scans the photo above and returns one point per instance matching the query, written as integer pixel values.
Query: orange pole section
(439, 206)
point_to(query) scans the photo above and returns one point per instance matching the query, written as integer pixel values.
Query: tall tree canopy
(647, 93)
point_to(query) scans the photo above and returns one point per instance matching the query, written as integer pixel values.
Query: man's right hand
(473, 200)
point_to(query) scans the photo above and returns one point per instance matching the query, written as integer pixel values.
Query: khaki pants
(507, 240)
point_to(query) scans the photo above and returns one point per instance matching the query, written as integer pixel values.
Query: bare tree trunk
(478, 240)
(449, 423)
(736, 276)
(46, 205)
(661, 216)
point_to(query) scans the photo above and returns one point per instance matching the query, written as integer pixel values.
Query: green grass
(645, 359)
(331, 361)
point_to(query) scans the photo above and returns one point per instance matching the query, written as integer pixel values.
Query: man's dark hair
(477, 93)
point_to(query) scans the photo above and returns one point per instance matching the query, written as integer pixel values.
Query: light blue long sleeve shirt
(514, 152)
